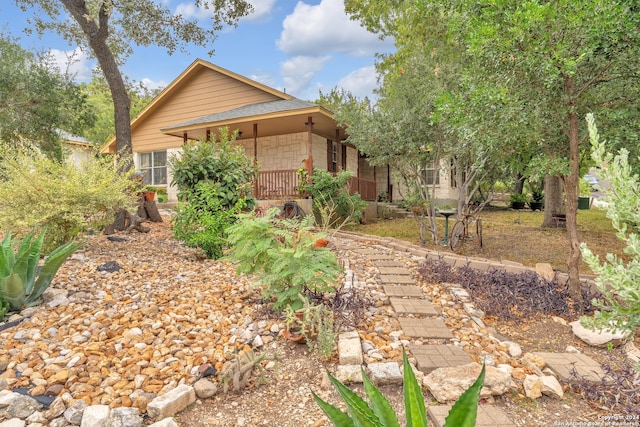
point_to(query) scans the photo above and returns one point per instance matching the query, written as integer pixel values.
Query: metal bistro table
(446, 213)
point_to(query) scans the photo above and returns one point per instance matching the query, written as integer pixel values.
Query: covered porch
(283, 137)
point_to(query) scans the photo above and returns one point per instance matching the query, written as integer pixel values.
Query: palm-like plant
(21, 281)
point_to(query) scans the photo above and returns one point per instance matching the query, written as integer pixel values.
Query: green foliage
(316, 325)
(37, 101)
(214, 180)
(380, 412)
(282, 253)
(21, 282)
(332, 203)
(202, 222)
(64, 197)
(218, 162)
(618, 282)
(517, 197)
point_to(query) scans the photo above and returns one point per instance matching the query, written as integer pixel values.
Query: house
(76, 148)
(280, 132)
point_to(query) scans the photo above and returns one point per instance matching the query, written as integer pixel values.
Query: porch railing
(284, 183)
(277, 184)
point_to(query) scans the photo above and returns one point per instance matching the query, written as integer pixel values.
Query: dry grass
(516, 236)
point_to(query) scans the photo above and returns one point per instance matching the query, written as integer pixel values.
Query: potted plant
(584, 198)
(537, 200)
(518, 200)
(312, 324)
(149, 192)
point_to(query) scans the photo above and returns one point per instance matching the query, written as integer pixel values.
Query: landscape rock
(172, 402)
(349, 374)
(447, 384)
(22, 406)
(513, 348)
(13, 422)
(384, 373)
(95, 416)
(73, 414)
(205, 388)
(546, 271)
(124, 417)
(599, 338)
(167, 422)
(551, 387)
(349, 348)
(532, 386)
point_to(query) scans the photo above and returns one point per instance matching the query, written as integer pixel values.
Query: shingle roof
(249, 111)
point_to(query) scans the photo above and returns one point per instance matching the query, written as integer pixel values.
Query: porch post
(255, 157)
(310, 146)
(184, 137)
(208, 135)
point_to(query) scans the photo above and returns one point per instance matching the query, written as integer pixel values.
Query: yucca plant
(21, 281)
(381, 414)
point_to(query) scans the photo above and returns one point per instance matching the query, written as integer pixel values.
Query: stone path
(435, 347)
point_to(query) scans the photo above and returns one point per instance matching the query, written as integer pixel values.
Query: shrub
(285, 256)
(218, 162)
(619, 284)
(333, 206)
(214, 180)
(381, 413)
(203, 221)
(64, 197)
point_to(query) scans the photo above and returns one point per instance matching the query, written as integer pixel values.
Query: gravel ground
(122, 338)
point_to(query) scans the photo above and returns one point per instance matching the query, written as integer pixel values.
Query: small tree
(618, 282)
(214, 180)
(333, 206)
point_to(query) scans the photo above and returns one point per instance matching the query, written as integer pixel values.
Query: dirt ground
(285, 398)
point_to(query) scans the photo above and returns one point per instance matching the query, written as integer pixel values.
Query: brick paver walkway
(565, 364)
(431, 357)
(413, 306)
(488, 416)
(403, 291)
(425, 328)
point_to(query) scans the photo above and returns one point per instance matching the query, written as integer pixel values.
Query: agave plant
(21, 281)
(381, 414)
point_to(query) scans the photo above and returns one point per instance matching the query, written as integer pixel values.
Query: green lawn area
(515, 235)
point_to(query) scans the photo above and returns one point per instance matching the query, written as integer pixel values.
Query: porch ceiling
(267, 125)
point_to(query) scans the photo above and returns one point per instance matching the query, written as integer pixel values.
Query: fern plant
(282, 253)
(380, 413)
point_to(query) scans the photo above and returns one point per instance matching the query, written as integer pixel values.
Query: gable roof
(183, 79)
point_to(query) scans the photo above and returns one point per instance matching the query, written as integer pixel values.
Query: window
(332, 156)
(430, 176)
(154, 168)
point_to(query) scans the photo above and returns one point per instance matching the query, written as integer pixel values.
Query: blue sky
(298, 46)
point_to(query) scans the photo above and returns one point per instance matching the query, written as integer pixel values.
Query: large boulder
(599, 338)
(447, 384)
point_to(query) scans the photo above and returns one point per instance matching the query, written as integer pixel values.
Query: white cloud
(298, 72)
(152, 84)
(325, 28)
(75, 62)
(265, 79)
(360, 82)
(261, 10)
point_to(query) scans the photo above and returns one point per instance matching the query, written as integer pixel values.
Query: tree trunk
(519, 185)
(97, 37)
(571, 190)
(552, 200)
